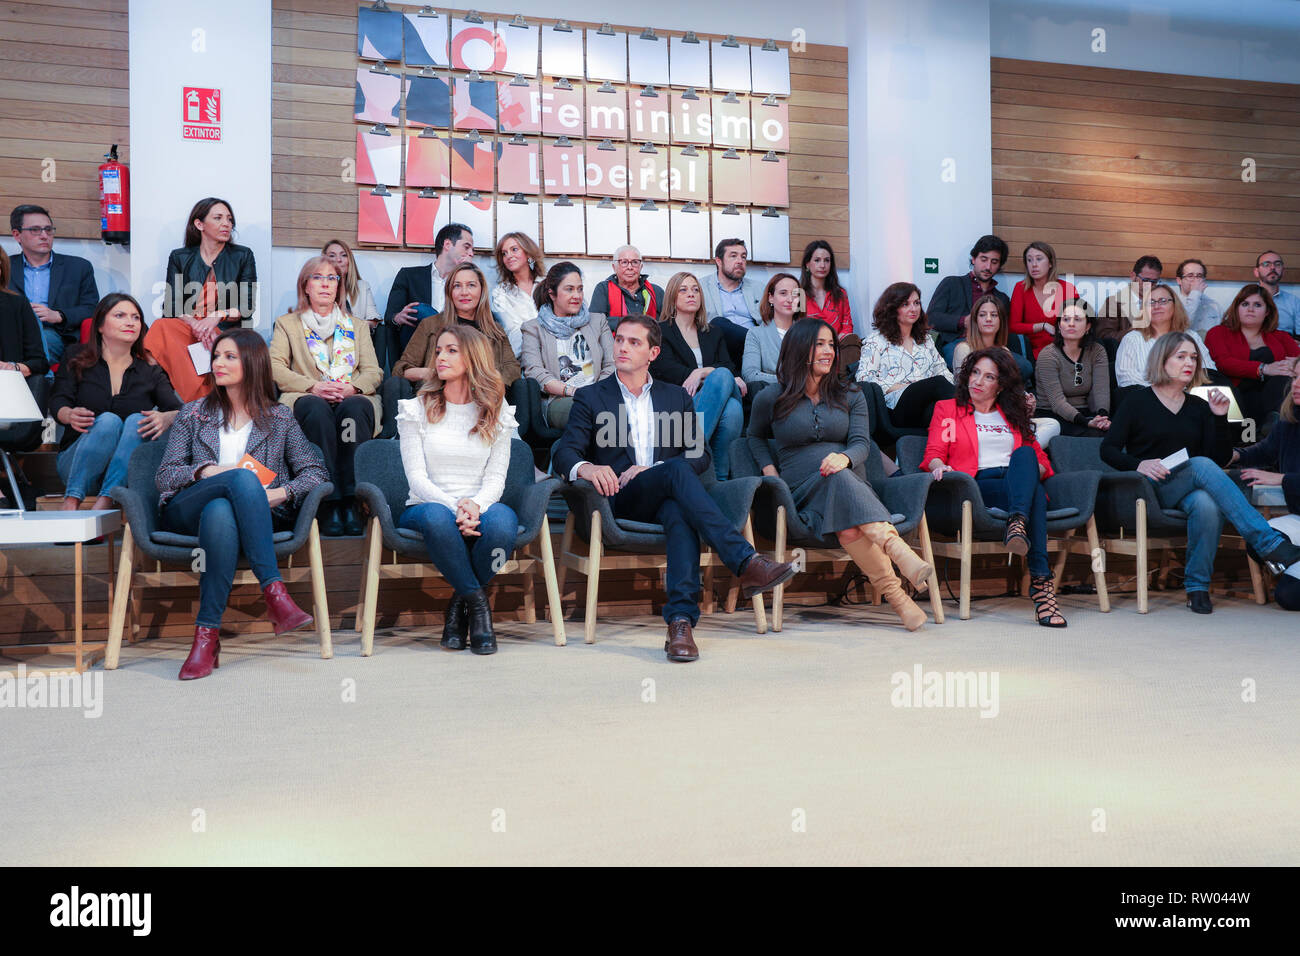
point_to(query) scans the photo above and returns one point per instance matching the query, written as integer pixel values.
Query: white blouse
(515, 307)
(233, 442)
(888, 365)
(1134, 350)
(445, 463)
(363, 307)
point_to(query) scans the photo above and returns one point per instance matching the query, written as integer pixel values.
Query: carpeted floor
(1124, 739)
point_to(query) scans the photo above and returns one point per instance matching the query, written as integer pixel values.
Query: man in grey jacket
(731, 300)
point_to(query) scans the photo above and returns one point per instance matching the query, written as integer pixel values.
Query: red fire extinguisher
(114, 199)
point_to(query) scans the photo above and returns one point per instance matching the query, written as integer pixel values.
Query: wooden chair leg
(553, 607)
(1061, 558)
(528, 613)
(1256, 581)
(927, 552)
(706, 585)
(1097, 558)
(967, 529)
(370, 594)
(566, 549)
(320, 601)
(594, 553)
(120, 601)
(778, 592)
(1142, 555)
(760, 615)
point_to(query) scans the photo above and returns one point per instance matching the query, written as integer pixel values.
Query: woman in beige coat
(565, 347)
(324, 364)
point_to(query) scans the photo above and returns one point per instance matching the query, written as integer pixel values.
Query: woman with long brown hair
(208, 487)
(455, 436)
(985, 431)
(520, 267)
(110, 398)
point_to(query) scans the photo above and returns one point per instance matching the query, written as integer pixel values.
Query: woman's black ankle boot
(482, 640)
(455, 627)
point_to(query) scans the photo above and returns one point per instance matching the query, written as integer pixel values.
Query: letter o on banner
(481, 35)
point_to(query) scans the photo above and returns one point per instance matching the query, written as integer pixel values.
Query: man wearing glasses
(1203, 313)
(1116, 316)
(627, 291)
(1268, 270)
(60, 288)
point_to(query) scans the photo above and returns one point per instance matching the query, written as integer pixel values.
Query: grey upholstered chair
(139, 501)
(1129, 515)
(955, 508)
(382, 486)
(644, 546)
(777, 518)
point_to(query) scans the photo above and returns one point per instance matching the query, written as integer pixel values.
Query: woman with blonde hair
(519, 268)
(1036, 300)
(455, 437)
(694, 355)
(1162, 313)
(324, 364)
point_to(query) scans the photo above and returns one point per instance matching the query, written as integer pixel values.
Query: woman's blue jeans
(229, 513)
(1208, 496)
(717, 402)
(99, 456)
(1017, 489)
(468, 564)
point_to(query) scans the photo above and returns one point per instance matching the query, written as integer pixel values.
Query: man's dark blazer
(951, 300)
(73, 293)
(593, 406)
(676, 360)
(411, 284)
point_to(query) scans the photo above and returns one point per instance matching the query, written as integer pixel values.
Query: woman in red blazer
(986, 432)
(1249, 348)
(1036, 301)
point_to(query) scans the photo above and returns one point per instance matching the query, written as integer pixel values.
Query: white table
(36, 529)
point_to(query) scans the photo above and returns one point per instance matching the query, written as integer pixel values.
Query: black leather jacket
(236, 274)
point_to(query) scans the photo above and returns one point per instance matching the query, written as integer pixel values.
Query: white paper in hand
(1176, 459)
(201, 357)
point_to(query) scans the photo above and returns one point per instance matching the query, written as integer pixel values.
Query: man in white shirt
(638, 441)
(1202, 311)
(1268, 270)
(731, 301)
(424, 285)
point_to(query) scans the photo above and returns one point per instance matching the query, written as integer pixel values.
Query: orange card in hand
(264, 475)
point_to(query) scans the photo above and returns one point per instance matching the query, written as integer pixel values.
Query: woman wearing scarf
(324, 364)
(565, 347)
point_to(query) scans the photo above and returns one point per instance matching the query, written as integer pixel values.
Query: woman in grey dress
(820, 431)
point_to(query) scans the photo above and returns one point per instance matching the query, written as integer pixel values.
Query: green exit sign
(931, 266)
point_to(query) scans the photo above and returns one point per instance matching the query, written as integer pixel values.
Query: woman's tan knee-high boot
(885, 537)
(880, 572)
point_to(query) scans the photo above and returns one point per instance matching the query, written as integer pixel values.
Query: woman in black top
(694, 355)
(110, 398)
(821, 436)
(1162, 419)
(21, 351)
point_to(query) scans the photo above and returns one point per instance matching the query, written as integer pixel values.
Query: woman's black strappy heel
(1043, 594)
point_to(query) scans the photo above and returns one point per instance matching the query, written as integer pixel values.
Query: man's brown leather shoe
(680, 644)
(761, 574)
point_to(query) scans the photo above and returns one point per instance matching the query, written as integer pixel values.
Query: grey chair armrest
(140, 516)
(906, 495)
(375, 502)
(1073, 489)
(582, 498)
(307, 510)
(735, 498)
(943, 505)
(530, 506)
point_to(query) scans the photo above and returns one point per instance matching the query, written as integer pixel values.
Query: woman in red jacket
(1036, 300)
(986, 432)
(1249, 348)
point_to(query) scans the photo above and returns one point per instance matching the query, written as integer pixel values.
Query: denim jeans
(1017, 489)
(99, 456)
(1205, 492)
(229, 513)
(467, 563)
(717, 402)
(671, 494)
(53, 343)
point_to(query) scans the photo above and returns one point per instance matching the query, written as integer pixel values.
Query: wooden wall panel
(314, 56)
(64, 98)
(1108, 165)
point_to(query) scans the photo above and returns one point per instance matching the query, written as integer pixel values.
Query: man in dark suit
(60, 288)
(950, 306)
(416, 285)
(639, 442)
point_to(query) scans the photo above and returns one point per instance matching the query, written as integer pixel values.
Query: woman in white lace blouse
(900, 357)
(455, 436)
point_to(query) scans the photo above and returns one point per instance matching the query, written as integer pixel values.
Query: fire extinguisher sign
(201, 113)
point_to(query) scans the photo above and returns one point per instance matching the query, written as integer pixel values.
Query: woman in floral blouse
(324, 364)
(899, 356)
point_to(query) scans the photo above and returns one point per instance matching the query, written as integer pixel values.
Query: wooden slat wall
(1108, 165)
(63, 64)
(312, 129)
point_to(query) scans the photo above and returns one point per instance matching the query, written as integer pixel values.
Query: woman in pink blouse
(824, 298)
(1036, 300)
